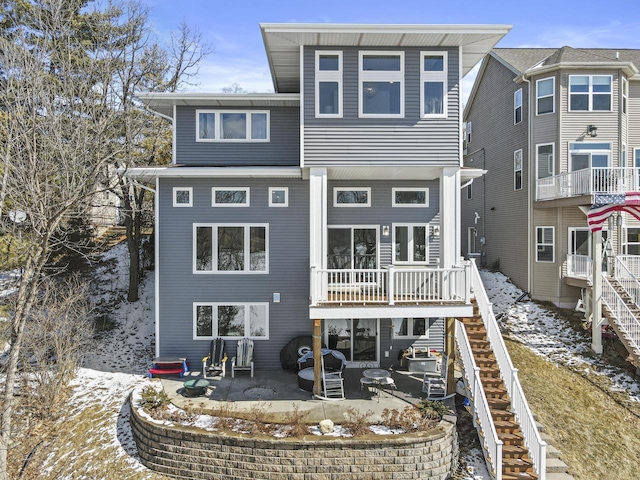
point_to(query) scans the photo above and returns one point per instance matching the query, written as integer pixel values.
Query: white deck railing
(480, 407)
(588, 181)
(579, 266)
(632, 262)
(391, 285)
(537, 447)
(624, 317)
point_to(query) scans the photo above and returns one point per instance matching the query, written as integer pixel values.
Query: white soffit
(283, 40)
(148, 174)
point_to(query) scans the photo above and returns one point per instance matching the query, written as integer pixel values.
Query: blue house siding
(408, 140)
(288, 273)
(283, 149)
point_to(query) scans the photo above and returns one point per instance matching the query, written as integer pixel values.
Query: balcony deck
(588, 181)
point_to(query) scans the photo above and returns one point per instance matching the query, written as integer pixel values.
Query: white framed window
(381, 84)
(545, 162)
(589, 155)
(182, 196)
(590, 92)
(433, 81)
(231, 248)
(278, 196)
(230, 320)
(232, 125)
(230, 197)
(328, 84)
(623, 156)
(469, 191)
(411, 327)
(353, 246)
(410, 242)
(545, 241)
(517, 170)
(410, 197)
(545, 95)
(636, 157)
(631, 241)
(469, 131)
(351, 196)
(625, 94)
(517, 106)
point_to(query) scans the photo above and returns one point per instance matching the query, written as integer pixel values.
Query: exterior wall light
(592, 130)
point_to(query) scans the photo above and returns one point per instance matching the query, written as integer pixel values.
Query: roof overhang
(283, 40)
(149, 174)
(627, 67)
(163, 103)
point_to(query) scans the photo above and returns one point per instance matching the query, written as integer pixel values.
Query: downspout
(532, 185)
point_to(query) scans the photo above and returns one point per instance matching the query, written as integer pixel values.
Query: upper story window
(469, 131)
(278, 196)
(590, 92)
(232, 126)
(182, 196)
(381, 84)
(625, 94)
(589, 155)
(230, 248)
(517, 106)
(230, 197)
(328, 84)
(433, 78)
(351, 197)
(545, 161)
(517, 170)
(410, 197)
(545, 95)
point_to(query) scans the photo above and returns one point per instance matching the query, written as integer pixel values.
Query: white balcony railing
(579, 266)
(631, 262)
(391, 285)
(588, 181)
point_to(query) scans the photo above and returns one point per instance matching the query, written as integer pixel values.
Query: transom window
(278, 196)
(232, 126)
(517, 106)
(351, 197)
(545, 95)
(587, 154)
(410, 197)
(433, 77)
(230, 320)
(328, 84)
(412, 327)
(517, 170)
(381, 84)
(545, 244)
(590, 92)
(545, 161)
(410, 243)
(230, 197)
(230, 248)
(182, 196)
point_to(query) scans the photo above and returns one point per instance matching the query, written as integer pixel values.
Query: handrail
(480, 407)
(537, 447)
(588, 181)
(632, 262)
(627, 279)
(624, 317)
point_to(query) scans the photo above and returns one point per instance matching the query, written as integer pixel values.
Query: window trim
(214, 248)
(328, 76)
(410, 189)
(590, 94)
(636, 156)
(428, 76)
(352, 229)
(516, 107)
(351, 205)
(247, 191)
(218, 126)
(286, 197)
(410, 328)
(553, 159)
(410, 227)
(175, 196)
(552, 244)
(380, 76)
(552, 95)
(520, 170)
(625, 238)
(214, 320)
(625, 95)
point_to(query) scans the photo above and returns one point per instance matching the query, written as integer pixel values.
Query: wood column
(450, 350)
(317, 357)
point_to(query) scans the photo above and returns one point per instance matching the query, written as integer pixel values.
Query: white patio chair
(244, 357)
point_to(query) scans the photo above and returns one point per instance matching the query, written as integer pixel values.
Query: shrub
(294, 422)
(357, 423)
(432, 409)
(152, 399)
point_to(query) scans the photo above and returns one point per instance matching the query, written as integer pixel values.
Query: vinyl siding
(545, 283)
(545, 127)
(634, 118)
(283, 148)
(571, 217)
(288, 266)
(408, 140)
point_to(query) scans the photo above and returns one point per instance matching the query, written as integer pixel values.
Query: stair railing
(627, 279)
(537, 447)
(623, 316)
(480, 407)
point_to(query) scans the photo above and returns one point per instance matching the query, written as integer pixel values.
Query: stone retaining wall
(190, 453)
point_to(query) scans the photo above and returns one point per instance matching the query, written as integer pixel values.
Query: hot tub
(422, 364)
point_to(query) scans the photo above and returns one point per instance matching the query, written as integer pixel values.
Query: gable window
(410, 197)
(545, 161)
(351, 197)
(545, 95)
(625, 94)
(230, 197)
(412, 327)
(278, 196)
(590, 92)
(545, 244)
(589, 155)
(232, 126)
(517, 106)
(433, 78)
(328, 84)
(410, 243)
(381, 84)
(517, 170)
(231, 248)
(182, 196)
(230, 320)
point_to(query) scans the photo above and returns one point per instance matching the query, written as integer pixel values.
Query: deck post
(596, 292)
(317, 357)
(450, 349)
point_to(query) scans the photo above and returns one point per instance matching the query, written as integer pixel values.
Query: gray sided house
(336, 198)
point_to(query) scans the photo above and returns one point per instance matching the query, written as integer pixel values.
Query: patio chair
(435, 386)
(216, 360)
(332, 384)
(244, 357)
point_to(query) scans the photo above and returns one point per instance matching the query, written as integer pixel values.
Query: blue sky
(232, 27)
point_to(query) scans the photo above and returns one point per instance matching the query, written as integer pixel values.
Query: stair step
(515, 438)
(495, 392)
(552, 452)
(521, 476)
(492, 381)
(504, 426)
(499, 414)
(499, 403)
(510, 465)
(490, 372)
(554, 476)
(514, 451)
(556, 465)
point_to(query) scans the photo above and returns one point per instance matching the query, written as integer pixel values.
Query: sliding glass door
(352, 248)
(356, 338)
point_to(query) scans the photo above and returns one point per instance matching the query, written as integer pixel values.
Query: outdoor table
(195, 387)
(376, 374)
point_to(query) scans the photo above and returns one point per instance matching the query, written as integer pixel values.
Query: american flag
(607, 203)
